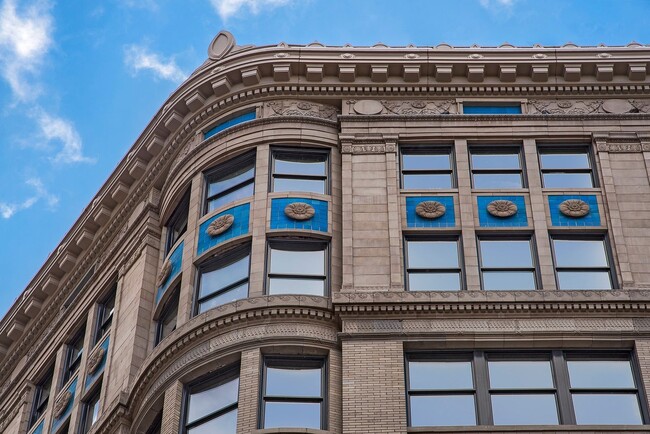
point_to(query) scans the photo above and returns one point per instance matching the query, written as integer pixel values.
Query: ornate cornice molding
(622, 142)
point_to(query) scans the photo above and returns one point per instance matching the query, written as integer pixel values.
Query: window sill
(533, 428)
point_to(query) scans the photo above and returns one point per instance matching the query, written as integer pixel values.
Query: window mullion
(481, 385)
(562, 384)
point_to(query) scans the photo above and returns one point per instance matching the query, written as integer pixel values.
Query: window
(293, 393)
(41, 397)
(167, 321)
(230, 181)
(507, 264)
(211, 405)
(566, 167)
(245, 117)
(470, 108)
(300, 170)
(224, 280)
(297, 267)
(90, 412)
(582, 263)
(536, 388)
(427, 168)
(73, 353)
(105, 314)
(177, 224)
(496, 168)
(433, 264)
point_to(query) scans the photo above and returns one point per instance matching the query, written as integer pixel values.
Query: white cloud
(229, 8)
(140, 58)
(57, 129)
(496, 4)
(7, 210)
(25, 38)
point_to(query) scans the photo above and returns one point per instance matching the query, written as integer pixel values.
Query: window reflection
(211, 405)
(433, 265)
(224, 280)
(566, 167)
(507, 264)
(581, 263)
(304, 170)
(297, 267)
(427, 168)
(230, 181)
(496, 168)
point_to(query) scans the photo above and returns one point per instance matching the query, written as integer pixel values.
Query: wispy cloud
(229, 8)
(59, 130)
(140, 58)
(497, 4)
(25, 37)
(8, 209)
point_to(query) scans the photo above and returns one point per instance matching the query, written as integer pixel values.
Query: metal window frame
(180, 214)
(584, 237)
(429, 237)
(557, 149)
(327, 178)
(39, 406)
(509, 237)
(494, 149)
(171, 305)
(226, 168)
(206, 382)
(86, 411)
(295, 361)
(441, 149)
(218, 262)
(105, 316)
(72, 359)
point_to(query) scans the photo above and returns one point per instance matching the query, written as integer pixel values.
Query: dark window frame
(105, 315)
(88, 404)
(39, 405)
(558, 359)
(178, 218)
(211, 380)
(73, 355)
(569, 148)
(327, 178)
(301, 242)
(170, 305)
(609, 256)
(497, 149)
(227, 167)
(442, 149)
(510, 237)
(217, 262)
(442, 237)
(295, 361)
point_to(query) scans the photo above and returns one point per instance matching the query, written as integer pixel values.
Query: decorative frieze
(587, 106)
(299, 108)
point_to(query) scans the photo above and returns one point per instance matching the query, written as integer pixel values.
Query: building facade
(313, 239)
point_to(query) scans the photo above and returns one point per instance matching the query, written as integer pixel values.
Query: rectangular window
(177, 224)
(507, 264)
(427, 168)
(470, 108)
(105, 314)
(300, 170)
(231, 181)
(41, 397)
(297, 267)
(90, 412)
(496, 168)
(433, 264)
(293, 393)
(211, 404)
(566, 167)
(245, 117)
(582, 263)
(74, 352)
(167, 322)
(224, 279)
(522, 388)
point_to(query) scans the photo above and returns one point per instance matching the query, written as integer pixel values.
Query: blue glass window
(248, 116)
(494, 109)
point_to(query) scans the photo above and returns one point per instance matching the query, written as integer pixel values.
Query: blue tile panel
(559, 219)
(176, 259)
(279, 219)
(487, 220)
(39, 428)
(239, 227)
(470, 109)
(90, 379)
(229, 123)
(447, 220)
(56, 424)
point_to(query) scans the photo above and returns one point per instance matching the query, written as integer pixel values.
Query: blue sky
(79, 80)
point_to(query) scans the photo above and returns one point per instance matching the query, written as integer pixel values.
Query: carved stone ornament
(300, 108)
(502, 208)
(575, 208)
(165, 271)
(220, 225)
(430, 209)
(62, 403)
(299, 211)
(95, 360)
(419, 107)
